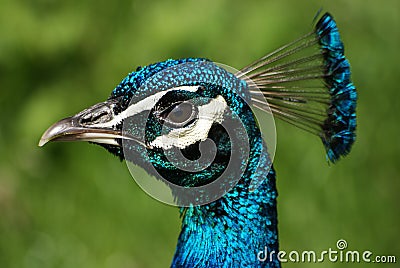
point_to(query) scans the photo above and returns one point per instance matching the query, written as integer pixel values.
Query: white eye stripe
(181, 138)
(143, 105)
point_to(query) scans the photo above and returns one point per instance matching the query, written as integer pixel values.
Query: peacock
(191, 123)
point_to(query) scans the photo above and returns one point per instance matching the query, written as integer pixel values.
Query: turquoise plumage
(181, 103)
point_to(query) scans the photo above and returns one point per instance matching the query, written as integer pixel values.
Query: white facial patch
(198, 131)
(143, 105)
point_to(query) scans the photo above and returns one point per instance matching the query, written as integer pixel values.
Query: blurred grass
(76, 206)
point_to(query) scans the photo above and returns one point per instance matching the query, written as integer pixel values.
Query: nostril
(96, 117)
(85, 119)
(100, 117)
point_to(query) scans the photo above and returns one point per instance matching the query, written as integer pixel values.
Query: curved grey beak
(96, 124)
(66, 130)
(88, 125)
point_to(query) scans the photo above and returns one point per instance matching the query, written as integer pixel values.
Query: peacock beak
(68, 130)
(96, 124)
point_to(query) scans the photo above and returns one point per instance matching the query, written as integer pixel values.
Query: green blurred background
(75, 205)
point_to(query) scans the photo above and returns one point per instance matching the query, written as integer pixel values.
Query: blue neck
(231, 231)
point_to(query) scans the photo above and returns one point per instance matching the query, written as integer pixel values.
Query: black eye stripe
(172, 97)
(167, 110)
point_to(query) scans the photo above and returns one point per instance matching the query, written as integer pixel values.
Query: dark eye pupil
(177, 112)
(180, 113)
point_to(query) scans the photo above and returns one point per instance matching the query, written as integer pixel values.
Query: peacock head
(180, 120)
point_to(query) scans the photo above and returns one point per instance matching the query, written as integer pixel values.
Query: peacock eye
(179, 114)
